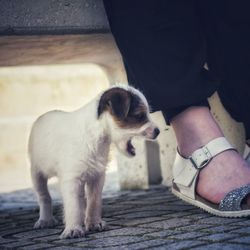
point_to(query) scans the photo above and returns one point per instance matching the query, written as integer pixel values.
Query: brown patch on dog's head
(137, 115)
(127, 108)
(116, 101)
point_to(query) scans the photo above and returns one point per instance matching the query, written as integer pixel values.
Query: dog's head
(127, 113)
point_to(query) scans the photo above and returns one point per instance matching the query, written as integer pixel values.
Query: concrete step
(22, 17)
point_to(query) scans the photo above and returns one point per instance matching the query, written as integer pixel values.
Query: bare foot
(194, 128)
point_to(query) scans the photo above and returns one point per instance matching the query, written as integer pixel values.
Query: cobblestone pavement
(152, 219)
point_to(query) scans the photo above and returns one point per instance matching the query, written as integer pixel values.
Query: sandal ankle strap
(186, 170)
(202, 156)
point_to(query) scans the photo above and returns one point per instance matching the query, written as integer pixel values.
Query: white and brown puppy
(75, 146)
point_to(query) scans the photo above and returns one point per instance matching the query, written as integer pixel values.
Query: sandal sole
(209, 209)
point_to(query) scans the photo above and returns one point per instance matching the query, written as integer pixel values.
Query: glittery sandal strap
(233, 200)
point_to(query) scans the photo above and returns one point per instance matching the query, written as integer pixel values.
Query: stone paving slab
(150, 219)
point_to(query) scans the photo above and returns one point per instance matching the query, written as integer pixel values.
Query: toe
(45, 223)
(96, 226)
(71, 233)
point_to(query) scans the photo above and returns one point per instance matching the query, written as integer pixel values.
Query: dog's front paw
(73, 232)
(96, 226)
(45, 223)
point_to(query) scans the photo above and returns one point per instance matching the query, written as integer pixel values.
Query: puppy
(74, 146)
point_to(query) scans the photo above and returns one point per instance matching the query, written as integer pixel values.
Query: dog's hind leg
(93, 221)
(46, 219)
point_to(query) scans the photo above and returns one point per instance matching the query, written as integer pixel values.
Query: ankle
(194, 128)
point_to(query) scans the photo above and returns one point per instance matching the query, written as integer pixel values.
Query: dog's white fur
(75, 147)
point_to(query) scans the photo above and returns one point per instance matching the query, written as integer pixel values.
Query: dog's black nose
(156, 132)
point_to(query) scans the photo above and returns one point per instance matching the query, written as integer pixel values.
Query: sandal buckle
(201, 157)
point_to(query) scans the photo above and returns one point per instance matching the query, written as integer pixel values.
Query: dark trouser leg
(164, 51)
(227, 24)
(164, 45)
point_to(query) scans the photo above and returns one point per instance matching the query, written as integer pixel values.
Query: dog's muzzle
(156, 133)
(151, 132)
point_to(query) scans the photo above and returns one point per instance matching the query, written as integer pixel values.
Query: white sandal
(186, 171)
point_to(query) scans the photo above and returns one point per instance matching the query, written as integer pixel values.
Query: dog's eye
(140, 117)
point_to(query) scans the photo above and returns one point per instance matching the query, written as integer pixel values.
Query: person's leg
(194, 128)
(164, 52)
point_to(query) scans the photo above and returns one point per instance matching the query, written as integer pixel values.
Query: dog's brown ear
(116, 101)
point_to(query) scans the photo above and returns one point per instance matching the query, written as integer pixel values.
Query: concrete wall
(25, 93)
(41, 73)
